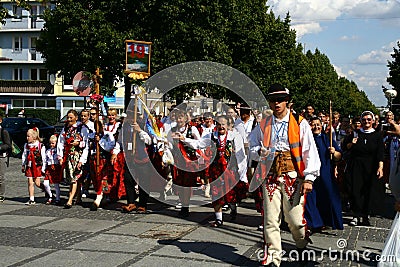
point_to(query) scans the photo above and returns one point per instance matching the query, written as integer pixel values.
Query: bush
(51, 116)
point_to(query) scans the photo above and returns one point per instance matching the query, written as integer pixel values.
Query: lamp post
(390, 94)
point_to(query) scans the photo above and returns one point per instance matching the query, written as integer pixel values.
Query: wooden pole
(97, 90)
(134, 121)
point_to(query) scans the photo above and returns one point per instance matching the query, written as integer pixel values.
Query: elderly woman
(323, 204)
(365, 169)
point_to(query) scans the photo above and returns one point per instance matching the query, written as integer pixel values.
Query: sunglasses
(367, 119)
(278, 99)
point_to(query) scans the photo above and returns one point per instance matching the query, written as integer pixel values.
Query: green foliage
(244, 34)
(394, 72)
(51, 116)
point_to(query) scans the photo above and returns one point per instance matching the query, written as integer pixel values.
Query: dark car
(18, 127)
(60, 124)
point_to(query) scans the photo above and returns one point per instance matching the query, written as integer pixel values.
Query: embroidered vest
(294, 139)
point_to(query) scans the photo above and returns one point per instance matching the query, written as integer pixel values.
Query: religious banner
(138, 57)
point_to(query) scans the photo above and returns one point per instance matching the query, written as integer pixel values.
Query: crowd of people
(297, 165)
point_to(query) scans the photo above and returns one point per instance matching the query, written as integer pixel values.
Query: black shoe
(94, 207)
(365, 221)
(57, 202)
(233, 214)
(184, 212)
(67, 206)
(217, 223)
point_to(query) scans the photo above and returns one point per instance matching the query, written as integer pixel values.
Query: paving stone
(83, 225)
(22, 221)
(115, 243)
(11, 255)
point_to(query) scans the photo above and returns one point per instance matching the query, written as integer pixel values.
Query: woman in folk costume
(287, 143)
(227, 170)
(72, 151)
(34, 164)
(101, 169)
(117, 187)
(186, 159)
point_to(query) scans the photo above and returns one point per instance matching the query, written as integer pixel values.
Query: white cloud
(306, 13)
(348, 38)
(380, 56)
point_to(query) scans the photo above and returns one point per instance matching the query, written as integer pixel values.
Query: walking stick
(330, 126)
(97, 90)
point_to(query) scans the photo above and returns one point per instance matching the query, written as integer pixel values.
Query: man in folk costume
(289, 145)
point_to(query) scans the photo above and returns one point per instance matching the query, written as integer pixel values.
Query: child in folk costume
(186, 166)
(117, 187)
(53, 170)
(101, 168)
(72, 151)
(227, 170)
(33, 164)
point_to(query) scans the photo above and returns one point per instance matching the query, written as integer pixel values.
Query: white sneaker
(225, 207)
(30, 203)
(179, 206)
(354, 222)
(260, 227)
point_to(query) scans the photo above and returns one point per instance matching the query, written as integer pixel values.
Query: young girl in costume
(33, 164)
(53, 170)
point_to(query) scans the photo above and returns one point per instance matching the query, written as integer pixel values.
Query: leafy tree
(243, 34)
(394, 72)
(79, 36)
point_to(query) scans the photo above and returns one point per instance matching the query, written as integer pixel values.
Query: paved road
(44, 235)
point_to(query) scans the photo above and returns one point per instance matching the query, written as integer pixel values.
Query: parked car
(60, 124)
(18, 127)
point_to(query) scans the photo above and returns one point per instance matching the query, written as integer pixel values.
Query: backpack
(10, 146)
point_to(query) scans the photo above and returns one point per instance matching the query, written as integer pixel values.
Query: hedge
(51, 116)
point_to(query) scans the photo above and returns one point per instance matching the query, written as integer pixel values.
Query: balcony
(26, 87)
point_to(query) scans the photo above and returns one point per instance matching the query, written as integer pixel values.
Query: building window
(18, 103)
(32, 47)
(33, 103)
(43, 74)
(34, 74)
(17, 12)
(40, 103)
(29, 103)
(17, 74)
(39, 74)
(51, 103)
(71, 104)
(17, 44)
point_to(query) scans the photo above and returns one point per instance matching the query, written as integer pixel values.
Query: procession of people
(302, 167)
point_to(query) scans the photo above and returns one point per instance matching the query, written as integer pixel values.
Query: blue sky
(358, 36)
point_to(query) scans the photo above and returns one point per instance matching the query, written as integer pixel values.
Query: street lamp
(390, 94)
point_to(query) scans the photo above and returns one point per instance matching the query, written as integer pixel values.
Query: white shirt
(237, 140)
(280, 142)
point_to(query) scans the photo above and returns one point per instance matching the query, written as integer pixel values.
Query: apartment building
(24, 81)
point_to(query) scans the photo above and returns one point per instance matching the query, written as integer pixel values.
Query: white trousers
(279, 195)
